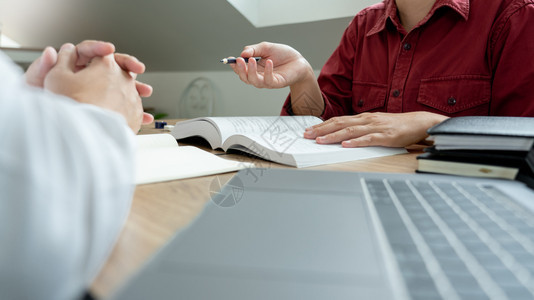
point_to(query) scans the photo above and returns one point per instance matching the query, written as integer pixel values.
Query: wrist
(430, 120)
(306, 96)
(306, 75)
(434, 119)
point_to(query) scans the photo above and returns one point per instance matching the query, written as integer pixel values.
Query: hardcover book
(484, 133)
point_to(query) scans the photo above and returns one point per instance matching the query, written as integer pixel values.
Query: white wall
(232, 97)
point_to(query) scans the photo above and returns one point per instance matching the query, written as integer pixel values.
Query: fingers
(143, 89)
(107, 62)
(67, 57)
(252, 75)
(129, 63)
(147, 118)
(49, 59)
(372, 139)
(40, 67)
(331, 125)
(259, 79)
(373, 129)
(344, 134)
(233, 66)
(268, 76)
(242, 70)
(249, 51)
(249, 73)
(87, 50)
(262, 49)
(356, 136)
(351, 131)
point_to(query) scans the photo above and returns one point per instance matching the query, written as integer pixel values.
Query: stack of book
(493, 147)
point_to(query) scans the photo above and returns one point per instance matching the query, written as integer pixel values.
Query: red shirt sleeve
(512, 60)
(335, 79)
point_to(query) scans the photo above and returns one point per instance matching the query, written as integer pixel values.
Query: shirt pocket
(457, 95)
(368, 96)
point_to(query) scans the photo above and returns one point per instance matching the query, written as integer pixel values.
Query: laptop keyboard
(457, 241)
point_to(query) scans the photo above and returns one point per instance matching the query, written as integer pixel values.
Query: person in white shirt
(66, 166)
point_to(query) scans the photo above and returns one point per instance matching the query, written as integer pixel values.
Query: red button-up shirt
(467, 57)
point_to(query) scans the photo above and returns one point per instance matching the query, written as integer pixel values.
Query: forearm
(306, 96)
(67, 199)
(66, 186)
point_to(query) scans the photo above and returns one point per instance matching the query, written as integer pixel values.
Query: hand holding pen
(280, 66)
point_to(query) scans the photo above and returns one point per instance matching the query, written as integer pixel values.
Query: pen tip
(224, 60)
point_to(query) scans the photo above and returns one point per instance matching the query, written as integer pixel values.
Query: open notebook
(159, 158)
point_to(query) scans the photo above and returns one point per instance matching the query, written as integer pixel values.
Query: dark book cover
(521, 160)
(485, 125)
(499, 158)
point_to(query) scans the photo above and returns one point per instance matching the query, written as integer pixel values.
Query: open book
(277, 138)
(159, 158)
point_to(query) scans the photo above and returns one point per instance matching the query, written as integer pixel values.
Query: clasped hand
(92, 73)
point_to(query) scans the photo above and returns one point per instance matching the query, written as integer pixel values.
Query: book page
(297, 151)
(150, 141)
(294, 125)
(203, 127)
(158, 161)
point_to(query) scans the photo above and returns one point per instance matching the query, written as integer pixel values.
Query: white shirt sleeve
(66, 183)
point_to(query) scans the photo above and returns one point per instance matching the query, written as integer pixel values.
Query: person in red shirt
(403, 66)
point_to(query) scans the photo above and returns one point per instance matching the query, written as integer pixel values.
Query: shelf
(22, 56)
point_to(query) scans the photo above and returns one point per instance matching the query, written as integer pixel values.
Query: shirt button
(451, 101)
(396, 93)
(407, 46)
(360, 103)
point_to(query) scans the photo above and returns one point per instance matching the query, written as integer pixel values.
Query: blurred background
(182, 41)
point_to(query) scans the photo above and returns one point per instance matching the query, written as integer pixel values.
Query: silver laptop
(296, 234)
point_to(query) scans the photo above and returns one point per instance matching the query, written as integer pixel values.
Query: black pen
(233, 60)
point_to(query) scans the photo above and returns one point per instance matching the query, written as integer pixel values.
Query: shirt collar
(390, 13)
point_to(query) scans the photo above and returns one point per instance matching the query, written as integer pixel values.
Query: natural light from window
(7, 42)
(263, 13)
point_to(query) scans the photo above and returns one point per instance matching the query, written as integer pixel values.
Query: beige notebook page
(159, 158)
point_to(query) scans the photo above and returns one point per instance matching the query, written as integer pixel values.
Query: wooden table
(159, 210)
